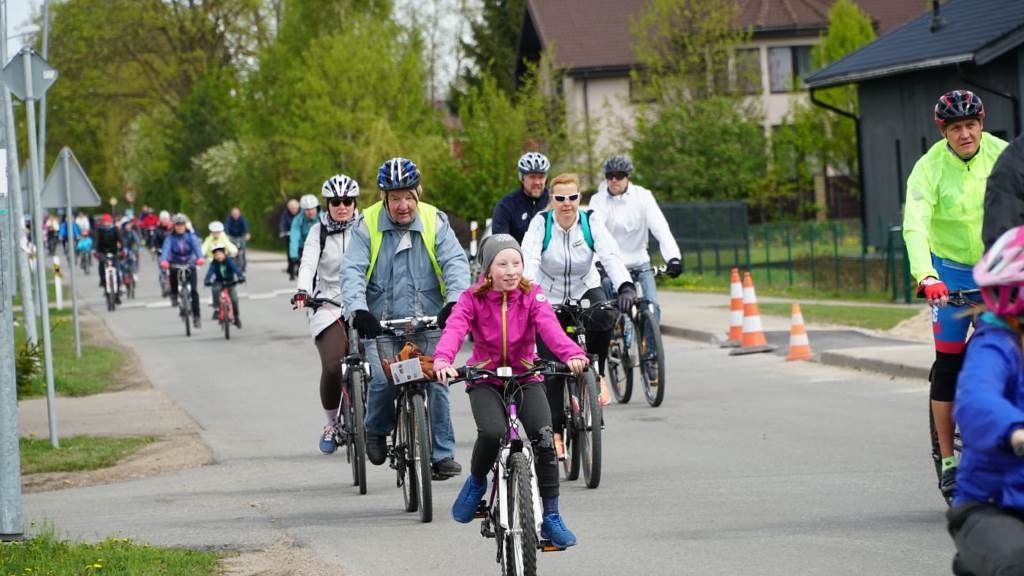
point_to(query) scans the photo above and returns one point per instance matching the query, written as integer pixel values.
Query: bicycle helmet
(533, 163)
(164, 215)
(216, 247)
(179, 218)
(398, 174)
(340, 186)
(958, 105)
(216, 226)
(308, 202)
(1000, 274)
(618, 164)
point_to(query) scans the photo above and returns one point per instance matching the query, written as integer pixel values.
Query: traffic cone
(799, 345)
(753, 339)
(735, 311)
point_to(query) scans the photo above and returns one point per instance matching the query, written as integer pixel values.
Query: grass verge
(870, 317)
(44, 554)
(77, 453)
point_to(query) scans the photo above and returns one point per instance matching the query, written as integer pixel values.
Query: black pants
(192, 283)
(332, 344)
(492, 424)
(989, 540)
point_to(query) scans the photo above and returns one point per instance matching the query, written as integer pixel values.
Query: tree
(495, 38)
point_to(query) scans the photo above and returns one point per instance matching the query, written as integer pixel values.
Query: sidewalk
(705, 317)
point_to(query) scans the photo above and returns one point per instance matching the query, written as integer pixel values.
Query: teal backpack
(549, 219)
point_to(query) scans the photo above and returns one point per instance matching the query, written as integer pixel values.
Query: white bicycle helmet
(308, 202)
(533, 163)
(340, 186)
(216, 226)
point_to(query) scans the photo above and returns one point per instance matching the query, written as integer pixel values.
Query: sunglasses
(616, 176)
(335, 202)
(569, 198)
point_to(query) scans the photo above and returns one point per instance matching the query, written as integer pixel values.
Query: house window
(748, 70)
(787, 66)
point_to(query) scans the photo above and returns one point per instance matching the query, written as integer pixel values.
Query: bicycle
(85, 260)
(110, 281)
(225, 309)
(185, 295)
(240, 258)
(584, 417)
(409, 451)
(640, 325)
(513, 513)
(127, 267)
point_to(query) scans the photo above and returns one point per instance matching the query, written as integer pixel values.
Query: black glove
(300, 296)
(366, 324)
(442, 316)
(674, 267)
(241, 280)
(627, 294)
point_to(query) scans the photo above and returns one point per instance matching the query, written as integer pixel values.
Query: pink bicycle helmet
(1000, 274)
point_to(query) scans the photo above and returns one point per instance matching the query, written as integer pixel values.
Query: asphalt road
(751, 466)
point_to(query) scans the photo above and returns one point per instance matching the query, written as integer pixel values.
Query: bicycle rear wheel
(590, 429)
(356, 431)
(573, 418)
(650, 358)
(620, 364)
(519, 542)
(420, 450)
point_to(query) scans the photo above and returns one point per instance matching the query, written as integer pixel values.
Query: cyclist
(83, 221)
(217, 237)
(224, 270)
(301, 226)
(237, 229)
(942, 230)
(505, 312)
(320, 277)
(513, 213)
(107, 240)
(630, 212)
(182, 247)
(284, 230)
(131, 243)
(987, 517)
(404, 260)
(560, 250)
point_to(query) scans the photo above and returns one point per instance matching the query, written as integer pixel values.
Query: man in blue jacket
(513, 213)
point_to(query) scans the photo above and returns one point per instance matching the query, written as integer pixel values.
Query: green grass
(46, 555)
(77, 453)
(870, 317)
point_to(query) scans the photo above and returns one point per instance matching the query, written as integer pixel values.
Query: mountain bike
(225, 309)
(409, 451)
(185, 295)
(127, 267)
(640, 325)
(584, 417)
(85, 260)
(240, 258)
(513, 513)
(110, 283)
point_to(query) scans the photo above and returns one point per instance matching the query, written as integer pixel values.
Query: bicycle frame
(513, 443)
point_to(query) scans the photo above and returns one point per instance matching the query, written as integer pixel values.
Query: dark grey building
(971, 44)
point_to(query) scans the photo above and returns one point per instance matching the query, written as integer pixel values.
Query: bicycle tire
(619, 364)
(519, 557)
(570, 437)
(225, 320)
(590, 431)
(648, 337)
(357, 438)
(404, 469)
(186, 309)
(421, 458)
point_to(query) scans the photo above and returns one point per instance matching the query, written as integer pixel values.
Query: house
(591, 41)
(972, 44)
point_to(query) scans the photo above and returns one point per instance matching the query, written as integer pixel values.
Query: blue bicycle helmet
(398, 174)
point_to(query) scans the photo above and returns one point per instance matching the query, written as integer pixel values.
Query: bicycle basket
(407, 357)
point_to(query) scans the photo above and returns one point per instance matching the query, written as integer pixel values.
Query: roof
(594, 34)
(974, 31)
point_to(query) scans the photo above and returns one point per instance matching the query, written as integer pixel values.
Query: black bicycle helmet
(958, 105)
(618, 164)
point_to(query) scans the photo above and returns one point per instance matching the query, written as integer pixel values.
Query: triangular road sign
(55, 188)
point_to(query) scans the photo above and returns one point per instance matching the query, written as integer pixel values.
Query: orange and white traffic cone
(735, 311)
(799, 345)
(753, 339)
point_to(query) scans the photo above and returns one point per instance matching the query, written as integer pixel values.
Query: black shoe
(238, 323)
(445, 469)
(216, 313)
(948, 482)
(376, 448)
(195, 322)
(174, 302)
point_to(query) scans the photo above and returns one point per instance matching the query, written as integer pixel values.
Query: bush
(28, 365)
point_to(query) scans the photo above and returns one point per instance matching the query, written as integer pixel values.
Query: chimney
(937, 21)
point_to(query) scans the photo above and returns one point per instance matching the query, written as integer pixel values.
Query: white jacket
(328, 275)
(629, 216)
(566, 269)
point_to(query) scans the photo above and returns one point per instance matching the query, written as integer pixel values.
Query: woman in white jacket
(560, 252)
(320, 277)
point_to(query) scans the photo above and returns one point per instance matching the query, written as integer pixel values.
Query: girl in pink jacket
(505, 313)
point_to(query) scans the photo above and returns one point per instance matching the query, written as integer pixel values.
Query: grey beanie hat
(491, 245)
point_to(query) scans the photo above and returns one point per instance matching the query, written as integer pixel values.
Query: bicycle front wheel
(186, 310)
(651, 358)
(620, 365)
(420, 451)
(357, 432)
(573, 423)
(405, 468)
(590, 430)
(519, 542)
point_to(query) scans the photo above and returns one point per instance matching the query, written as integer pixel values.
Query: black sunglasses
(569, 198)
(616, 176)
(335, 202)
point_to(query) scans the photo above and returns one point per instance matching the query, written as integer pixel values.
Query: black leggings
(492, 424)
(332, 344)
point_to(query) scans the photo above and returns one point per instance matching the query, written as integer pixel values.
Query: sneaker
(195, 322)
(605, 397)
(216, 314)
(464, 508)
(446, 468)
(559, 447)
(328, 441)
(174, 301)
(555, 530)
(948, 482)
(376, 448)
(238, 323)
(651, 366)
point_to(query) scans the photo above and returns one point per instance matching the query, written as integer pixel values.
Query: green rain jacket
(944, 206)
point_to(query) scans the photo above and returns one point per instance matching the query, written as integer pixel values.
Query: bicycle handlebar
(541, 367)
(316, 303)
(959, 298)
(419, 323)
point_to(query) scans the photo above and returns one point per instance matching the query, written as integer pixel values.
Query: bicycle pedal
(482, 511)
(485, 529)
(547, 546)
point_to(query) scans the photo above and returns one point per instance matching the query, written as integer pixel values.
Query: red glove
(165, 264)
(200, 261)
(934, 290)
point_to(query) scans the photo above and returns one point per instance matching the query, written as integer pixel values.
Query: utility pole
(42, 99)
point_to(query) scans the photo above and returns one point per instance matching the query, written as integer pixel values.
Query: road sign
(82, 191)
(43, 75)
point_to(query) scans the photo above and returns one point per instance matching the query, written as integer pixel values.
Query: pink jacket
(503, 338)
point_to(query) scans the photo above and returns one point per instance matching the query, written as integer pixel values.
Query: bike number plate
(407, 371)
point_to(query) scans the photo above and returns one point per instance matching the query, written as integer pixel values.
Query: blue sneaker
(555, 530)
(329, 441)
(464, 508)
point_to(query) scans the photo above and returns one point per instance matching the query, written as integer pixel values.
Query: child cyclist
(505, 312)
(224, 270)
(987, 516)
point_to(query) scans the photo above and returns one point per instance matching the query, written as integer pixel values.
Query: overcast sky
(19, 14)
